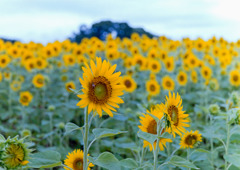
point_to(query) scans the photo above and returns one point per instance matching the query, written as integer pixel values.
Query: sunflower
(206, 72)
(149, 125)
(182, 78)
(25, 98)
(15, 155)
(168, 83)
(38, 81)
(101, 87)
(4, 61)
(153, 88)
(190, 139)
(74, 160)
(154, 66)
(234, 78)
(173, 108)
(40, 63)
(194, 76)
(169, 64)
(15, 85)
(140, 60)
(70, 85)
(69, 60)
(130, 84)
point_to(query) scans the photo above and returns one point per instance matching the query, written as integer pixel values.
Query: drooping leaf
(147, 136)
(104, 132)
(181, 162)
(46, 159)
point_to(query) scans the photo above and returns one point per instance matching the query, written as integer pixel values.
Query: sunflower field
(132, 103)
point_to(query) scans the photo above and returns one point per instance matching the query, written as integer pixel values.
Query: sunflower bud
(214, 109)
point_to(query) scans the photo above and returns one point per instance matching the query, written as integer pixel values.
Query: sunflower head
(101, 87)
(25, 98)
(38, 81)
(69, 85)
(190, 139)
(149, 125)
(175, 115)
(129, 83)
(74, 160)
(15, 153)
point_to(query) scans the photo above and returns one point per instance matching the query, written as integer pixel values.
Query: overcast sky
(49, 20)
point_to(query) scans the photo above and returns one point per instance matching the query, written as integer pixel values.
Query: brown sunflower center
(3, 60)
(181, 78)
(100, 90)
(39, 63)
(154, 66)
(235, 78)
(24, 99)
(152, 127)
(128, 83)
(168, 84)
(206, 72)
(40, 81)
(190, 139)
(173, 112)
(139, 62)
(152, 87)
(78, 164)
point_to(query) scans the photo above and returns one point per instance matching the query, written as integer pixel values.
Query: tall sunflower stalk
(101, 90)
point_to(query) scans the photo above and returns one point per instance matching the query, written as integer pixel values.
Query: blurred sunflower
(153, 88)
(178, 120)
(4, 60)
(154, 66)
(70, 85)
(194, 76)
(234, 78)
(168, 83)
(190, 139)
(38, 81)
(15, 85)
(149, 125)
(129, 83)
(182, 78)
(169, 64)
(101, 87)
(74, 160)
(206, 72)
(25, 98)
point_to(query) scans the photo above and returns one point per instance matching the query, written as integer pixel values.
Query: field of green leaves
(131, 103)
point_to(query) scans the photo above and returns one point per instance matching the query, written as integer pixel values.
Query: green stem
(227, 142)
(188, 154)
(85, 163)
(211, 140)
(159, 130)
(142, 156)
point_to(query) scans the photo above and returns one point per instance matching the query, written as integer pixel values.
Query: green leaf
(70, 127)
(181, 162)
(199, 154)
(46, 159)
(104, 132)
(147, 136)
(2, 138)
(234, 159)
(129, 163)
(107, 160)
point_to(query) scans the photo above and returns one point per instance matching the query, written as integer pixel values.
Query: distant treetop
(103, 28)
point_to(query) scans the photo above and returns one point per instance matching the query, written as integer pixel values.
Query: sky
(49, 20)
